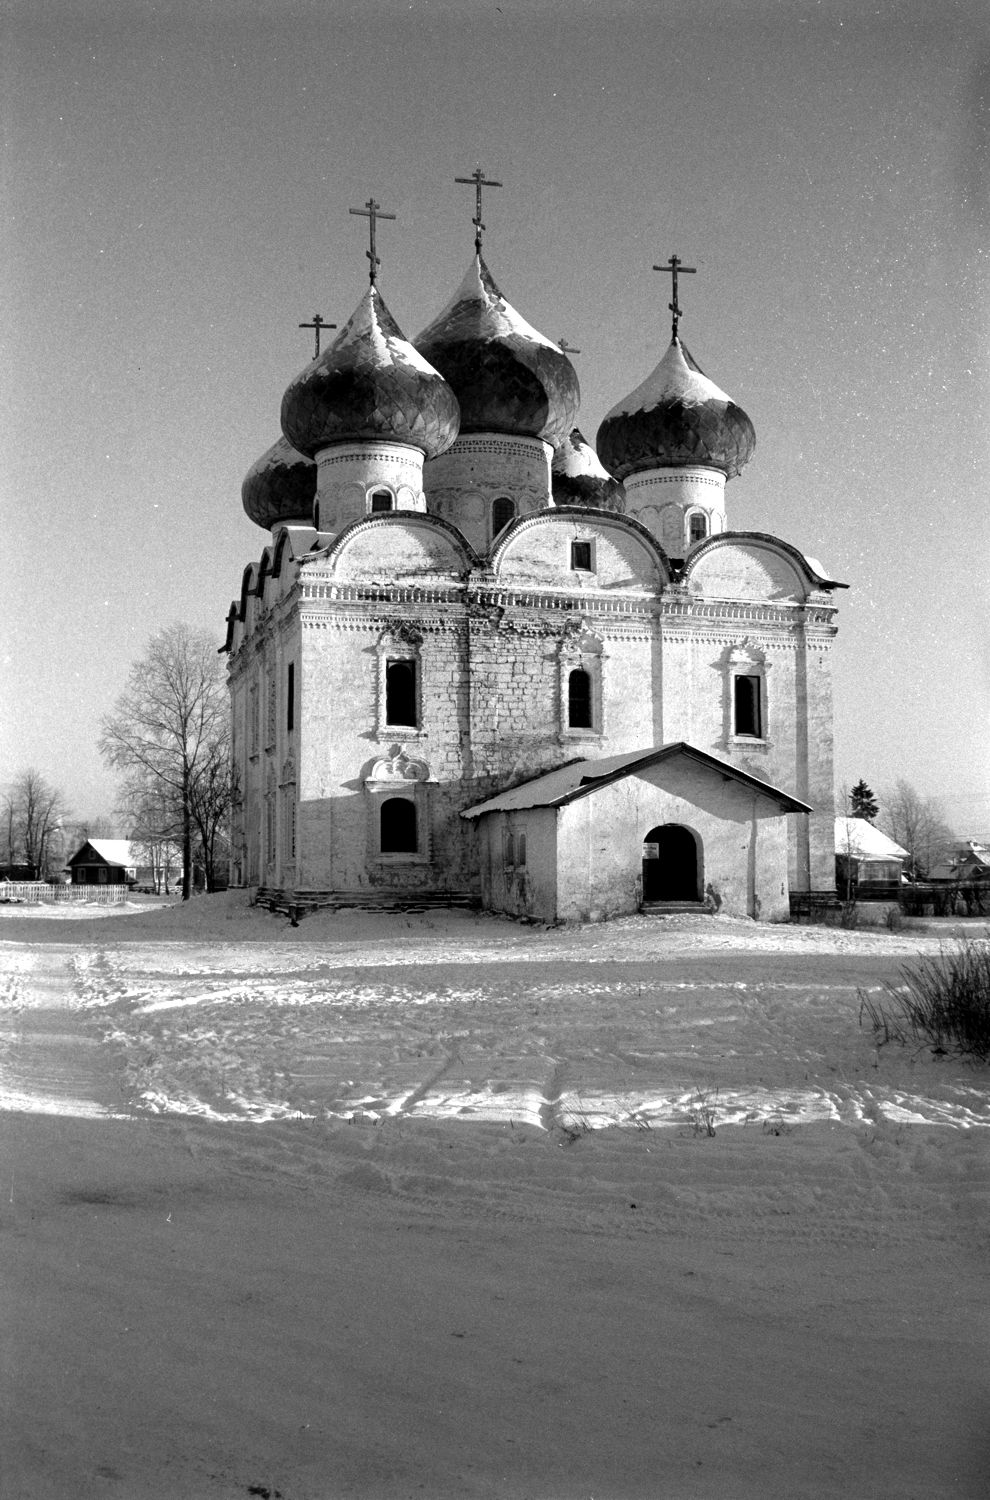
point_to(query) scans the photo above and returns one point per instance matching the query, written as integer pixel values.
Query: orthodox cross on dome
(676, 268)
(373, 212)
(566, 348)
(480, 180)
(318, 323)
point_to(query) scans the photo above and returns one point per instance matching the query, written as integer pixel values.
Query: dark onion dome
(677, 417)
(370, 385)
(578, 477)
(281, 486)
(506, 376)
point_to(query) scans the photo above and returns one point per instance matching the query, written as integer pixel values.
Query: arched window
(503, 511)
(381, 500)
(579, 699)
(698, 527)
(398, 826)
(746, 695)
(400, 692)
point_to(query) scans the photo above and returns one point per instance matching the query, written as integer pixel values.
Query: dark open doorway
(670, 864)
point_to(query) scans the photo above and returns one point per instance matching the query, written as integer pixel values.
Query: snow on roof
(114, 851)
(555, 788)
(857, 837)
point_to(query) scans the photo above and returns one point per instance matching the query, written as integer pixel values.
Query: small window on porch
(581, 557)
(579, 699)
(398, 832)
(748, 716)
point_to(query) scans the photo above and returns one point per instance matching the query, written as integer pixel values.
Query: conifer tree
(862, 803)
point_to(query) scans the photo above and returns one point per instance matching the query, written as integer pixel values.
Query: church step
(668, 908)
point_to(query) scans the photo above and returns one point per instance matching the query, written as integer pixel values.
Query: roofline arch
(764, 539)
(572, 513)
(335, 548)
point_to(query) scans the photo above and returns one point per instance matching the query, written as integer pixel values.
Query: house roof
(582, 777)
(113, 851)
(856, 837)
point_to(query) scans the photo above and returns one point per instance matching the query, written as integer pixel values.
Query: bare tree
(33, 811)
(915, 822)
(166, 727)
(154, 827)
(214, 798)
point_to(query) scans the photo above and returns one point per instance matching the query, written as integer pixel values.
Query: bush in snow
(943, 1002)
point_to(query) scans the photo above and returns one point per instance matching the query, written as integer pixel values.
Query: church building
(479, 662)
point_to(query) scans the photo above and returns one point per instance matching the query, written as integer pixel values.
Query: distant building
(151, 866)
(967, 862)
(867, 862)
(104, 862)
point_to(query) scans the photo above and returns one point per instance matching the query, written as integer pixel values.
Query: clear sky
(177, 179)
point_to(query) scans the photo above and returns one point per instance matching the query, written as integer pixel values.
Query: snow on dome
(507, 376)
(281, 486)
(675, 418)
(579, 478)
(370, 384)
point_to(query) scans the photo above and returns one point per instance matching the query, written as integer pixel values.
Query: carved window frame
(746, 660)
(399, 775)
(581, 650)
(399, 645)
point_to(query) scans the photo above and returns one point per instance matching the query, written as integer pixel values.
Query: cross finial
(318, 323)
(676, 268)
(566, 348)
(373, 212)
(480, 180)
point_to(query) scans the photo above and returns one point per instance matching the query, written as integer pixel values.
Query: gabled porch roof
(582, 777)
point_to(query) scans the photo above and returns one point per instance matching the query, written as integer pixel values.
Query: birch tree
(171, 725)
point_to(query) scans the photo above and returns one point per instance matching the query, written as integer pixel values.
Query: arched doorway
(671, 865)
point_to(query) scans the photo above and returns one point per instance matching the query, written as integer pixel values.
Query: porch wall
(743, 844)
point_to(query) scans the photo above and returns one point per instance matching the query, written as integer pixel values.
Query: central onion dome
(677, 418)
(507, 376)
(579, 478)
(281, 486)
(370, 385)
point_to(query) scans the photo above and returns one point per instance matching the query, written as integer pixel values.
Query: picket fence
(37, 893)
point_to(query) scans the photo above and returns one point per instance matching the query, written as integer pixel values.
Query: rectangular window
(400, 692)
(581, 557)
(290, 698)
(748, 715)
(254, 717)
(579, 699)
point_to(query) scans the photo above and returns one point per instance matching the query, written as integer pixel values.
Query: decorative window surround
(580, 650)
(398, 775)
(398, 645)
(749, 705)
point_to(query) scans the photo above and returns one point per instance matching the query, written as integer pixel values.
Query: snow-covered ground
(695, 1235)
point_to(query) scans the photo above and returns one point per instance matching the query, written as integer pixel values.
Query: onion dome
(578, 477)
(281, 486)
(506, 376)
(675, 419)
(370, 385)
